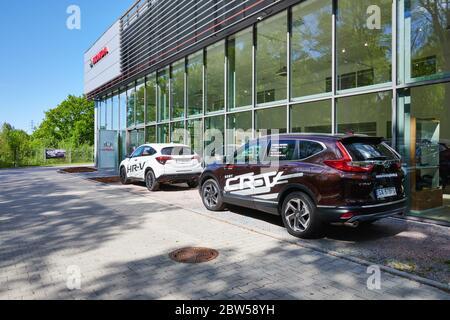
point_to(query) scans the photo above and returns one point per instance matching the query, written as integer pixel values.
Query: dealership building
(373, 67)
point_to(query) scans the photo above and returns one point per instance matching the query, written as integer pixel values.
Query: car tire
(150, 181)
(192, 184)
(123, 176)
(211, 196)
(299, 214)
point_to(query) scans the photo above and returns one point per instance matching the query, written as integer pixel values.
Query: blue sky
(41, 61)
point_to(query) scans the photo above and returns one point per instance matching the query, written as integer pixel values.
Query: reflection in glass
(311, 47)
(240, 70)
(313, 117)
(369, 114)
(163, 94)
(429, 37)
(271, 59)
(151, 88)
(115, 111)
(214, 77)
(140, 102)
(177, 89)
(151, 135)
(428, 150)
(214, 138)
(195, 84)
(364, 43)
(195, 135)
(163, 133)
(177, 134)
(239, 130)
(130, 106)
(271, 121)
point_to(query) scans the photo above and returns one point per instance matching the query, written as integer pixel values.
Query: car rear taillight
(197, 157)
(346, 163)
(163, 159)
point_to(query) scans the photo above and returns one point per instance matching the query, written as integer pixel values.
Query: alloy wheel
(211, 195)
(298, 215)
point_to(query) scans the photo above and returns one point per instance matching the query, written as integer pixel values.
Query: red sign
(99, 56)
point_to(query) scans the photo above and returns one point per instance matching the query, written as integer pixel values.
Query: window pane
(271, 121)
(140, 102)
(177, 87)
(163, 133)
(195, 135)
(240, 70)
(428, 151)
(177, 134)
(130, 106)
(195, 84)
(115, 112)
(151, 135)
(429, 37)
(215, 82)
(163, 95)
(151, 98)
(123, 110)
(311, 47)
(271, 59)
(364, 43)
(214, 138)
(369, 114)
(313, 117)
(239, 130)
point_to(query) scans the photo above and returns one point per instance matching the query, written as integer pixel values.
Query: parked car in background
(162, 163)
(310, 180)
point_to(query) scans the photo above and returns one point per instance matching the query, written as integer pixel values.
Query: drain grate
(194, 255)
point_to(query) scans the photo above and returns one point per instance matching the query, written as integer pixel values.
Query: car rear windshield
(177, 151)
(367, 151)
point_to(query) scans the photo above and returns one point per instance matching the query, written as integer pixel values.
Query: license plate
(386, 193)
(183, 161)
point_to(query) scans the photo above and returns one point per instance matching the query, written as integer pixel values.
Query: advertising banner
(55, 154)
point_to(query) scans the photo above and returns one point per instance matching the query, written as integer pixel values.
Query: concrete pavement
(55, 227)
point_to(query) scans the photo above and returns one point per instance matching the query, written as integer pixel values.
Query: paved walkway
(54, 225)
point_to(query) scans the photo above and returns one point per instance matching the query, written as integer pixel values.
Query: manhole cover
(194, 255)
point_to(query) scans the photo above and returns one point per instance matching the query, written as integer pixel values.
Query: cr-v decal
(249, 184)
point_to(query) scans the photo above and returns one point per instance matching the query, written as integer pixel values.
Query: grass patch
(402, 266)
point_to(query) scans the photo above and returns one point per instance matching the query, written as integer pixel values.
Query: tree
(13, 145)
(71, 121)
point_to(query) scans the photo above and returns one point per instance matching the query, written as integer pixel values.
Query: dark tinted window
(148, 151)
(137, 152)
(177, 151)
(309, 148)
(283, 150)
(366, 151)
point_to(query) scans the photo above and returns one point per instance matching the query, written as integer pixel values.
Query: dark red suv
(310, 180)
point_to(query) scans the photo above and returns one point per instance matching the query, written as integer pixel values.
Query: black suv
(310, 180)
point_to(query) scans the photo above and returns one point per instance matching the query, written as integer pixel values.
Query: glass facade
(215, 77)
(271, 59)
(194, 75)
(374, 67)
(151, 90)
(311, 48)
(177, 89)
(364, 43)
(240, 69)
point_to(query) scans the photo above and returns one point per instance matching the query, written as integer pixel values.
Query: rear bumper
(362, 213)
(178, 178)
